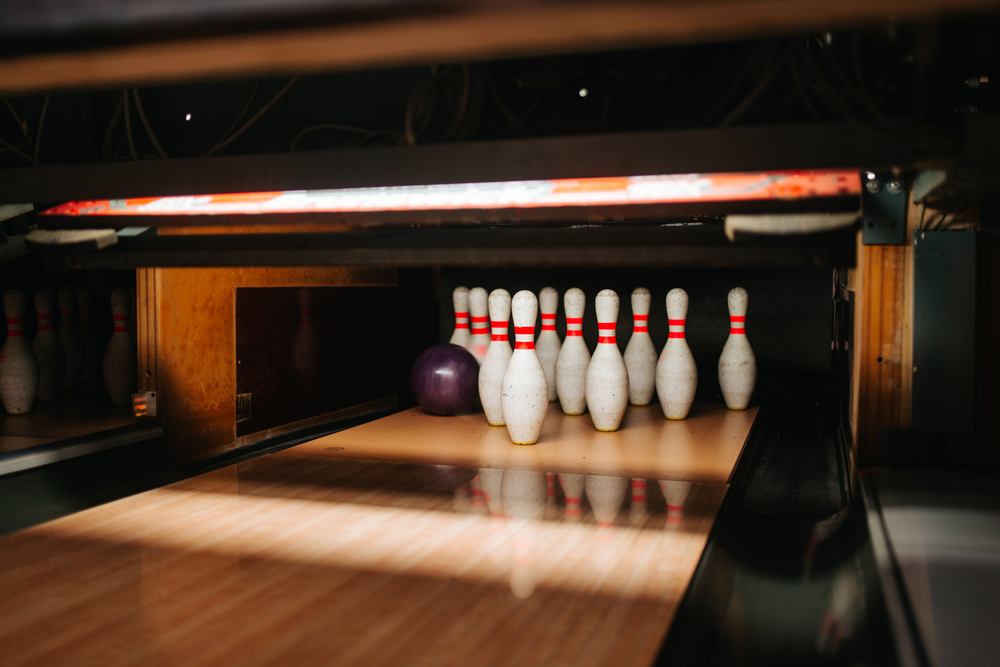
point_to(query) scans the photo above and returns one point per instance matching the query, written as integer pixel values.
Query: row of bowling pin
(510, 384)
(65, 360)
(529, 494)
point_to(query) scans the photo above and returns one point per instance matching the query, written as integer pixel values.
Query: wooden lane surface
(299, 560)
(48, 422)
(705, 447)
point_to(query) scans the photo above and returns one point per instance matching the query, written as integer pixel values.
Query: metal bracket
(883, 202)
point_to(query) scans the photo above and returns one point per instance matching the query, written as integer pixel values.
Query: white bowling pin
(489, 480)
(18, 366)
(497, 357)
(676, 372)
(460, 300)
(675, 493)
(607, 377)
(547, 346)
(737, 364)
(92, 351)
(47, 348)
(524, 394)
(479, 339)
(69, 338)
(120, 361)
(572, 485)
(606, 495)
(574, 357)
(640, 353)
(306, 346)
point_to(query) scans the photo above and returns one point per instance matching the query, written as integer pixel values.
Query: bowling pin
(47, 348)
(606, 495)
(547, 346)
(92, 352)
(675, 493)
(572, 485)
(574, 357)
(460, 300)
(524, 396)
(489, 480)
(497, 357)
(676, 372)
(120, 358)
(306, 345)
(18, 366)
(69, 338)
(607, 377)
(640, 353)
(479, 339)
(737, 364)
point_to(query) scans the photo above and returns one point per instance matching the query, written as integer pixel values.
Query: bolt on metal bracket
(883, 203)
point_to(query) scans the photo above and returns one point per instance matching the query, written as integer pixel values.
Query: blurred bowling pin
(572, 485)
(638, 510)
(737, 364)
(640, 353)
(547, 347)
(676, 372)
(607, 377)
(47, 348)
(524, 395)
(69, 338)
(489, 480)
(606, 495)
(460, 300)
(305, 345)
(92, 351)
(497, 357)
(574, 357)
(120, 363)
(478, 500)
(479, 339)
(675, 493)
(18, 366)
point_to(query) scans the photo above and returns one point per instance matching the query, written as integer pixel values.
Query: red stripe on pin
(644, 318)
(524, 330)
(497, 324)
(606, 326)
(499, 337)
(546, 316)
(638, 499)
(15, 320)
(574, 332)
(675, 508)
(458, 314)
(461, 325)
(548, 327)
(737, 318)
(676, 323)
(606, 340)
(480, 320)
(117, 318)
(117, 329)
(48, 316)
(574, 320)
(45, 327)
(572, 501)
(526, 345)
(15, 333)
(638, 484)
(676, 334)
(737, 331)
(640, 329)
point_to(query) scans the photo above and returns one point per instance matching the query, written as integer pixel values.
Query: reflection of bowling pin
(675, 493)
(479, 339)
(69, 338)
(47, 348)
(572, 485)
(305, 344)
(120, 357)
(606, 495)
(18, 366)
(607, 377)
(547, 346)
(640, 353)
(460, 299)
(92, 352)
(676, 372)
(737, 364)
(490, 479)
(524, 501)
(550, 480)
(639, 509)
(524, 395)
(478, 500)
(497, 357)
(574, 357)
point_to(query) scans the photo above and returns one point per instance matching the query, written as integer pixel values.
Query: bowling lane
(301, 557)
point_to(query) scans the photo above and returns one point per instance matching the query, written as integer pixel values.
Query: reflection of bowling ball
(445, 379)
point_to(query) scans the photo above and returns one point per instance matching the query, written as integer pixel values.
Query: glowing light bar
(626, 190)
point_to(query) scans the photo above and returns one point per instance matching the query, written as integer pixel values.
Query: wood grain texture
(294, 559)
(489, 31)
(704, 447)
(195, 356)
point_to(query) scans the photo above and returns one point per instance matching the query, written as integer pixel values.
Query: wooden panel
(195, 359)
(704, 447)
(292, 559)
(490, 30)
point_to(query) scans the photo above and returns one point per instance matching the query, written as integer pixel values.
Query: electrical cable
(20, 123)
(18, 151)
(145, 124)
(342, 128)
(745, 105)
(128, 127)
(246, 108)
(750, 62)
(254, 118)
(38, 135)
(504, 111)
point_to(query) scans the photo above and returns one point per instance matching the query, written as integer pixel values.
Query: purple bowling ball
(445, 379)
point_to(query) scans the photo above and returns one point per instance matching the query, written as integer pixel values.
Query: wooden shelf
(704, 447)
